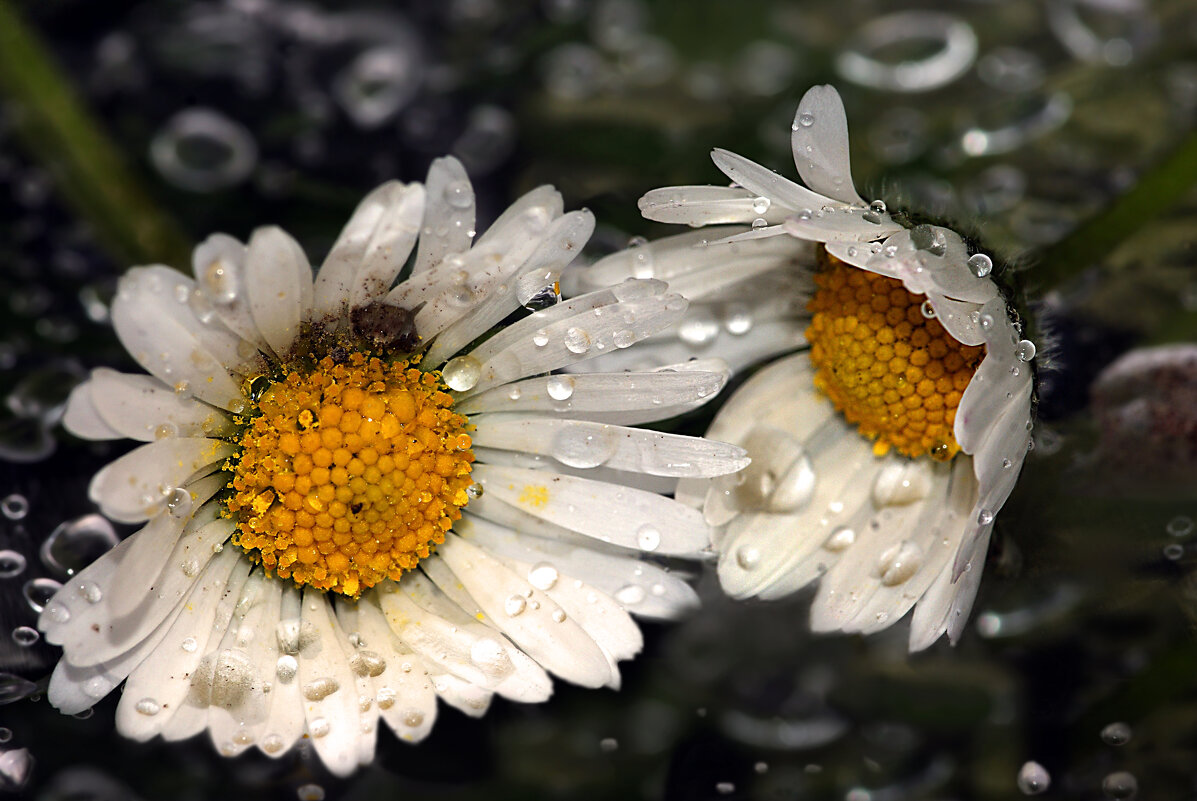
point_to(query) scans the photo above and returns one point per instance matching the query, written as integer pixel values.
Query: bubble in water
(1025, 350)
(461, 373)
(1120, 785)
(648, 537)
(77, 543)
(25, 636)
(584, 447)
(14, 688)
(202, 150)
(1033, 779)
(560, 387)
(1179, 526)
(14, 506)
(577, 340)
(378, 83)
(1116, 734)
(1174, 551)
(39, 591)
(11, 564)
(980, 264)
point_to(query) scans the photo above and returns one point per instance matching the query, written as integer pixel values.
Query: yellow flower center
(889, 368)
(351, 473)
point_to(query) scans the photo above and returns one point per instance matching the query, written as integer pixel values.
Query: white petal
(159, 686)
(527, 615)
(139, 406)
(284, 724)
(841, 224)
(1000, 378)
(239, 694)
(609, 513)
(958, 318)
(218, 264)
(819, 140)
(945, 606)
(375, 242)
(279, 283)
(458, 693)
(138, 484)
(514, 234)
(328, 687)
(626, 398)
(83, 419)
(709, 205)
(584, 444)
(641, 587)
(450, 214)
(766, 183)
(166, 338)
(403, 692)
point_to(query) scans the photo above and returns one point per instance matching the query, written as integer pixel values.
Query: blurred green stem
(89, 170)
(1160, 188)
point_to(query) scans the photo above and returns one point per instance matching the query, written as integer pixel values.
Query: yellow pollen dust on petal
(889, 369)
(351, 473)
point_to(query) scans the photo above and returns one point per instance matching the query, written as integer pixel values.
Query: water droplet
(980, 264)
(584, 446)
(25, 636)
(806, 119)
(286, 668)
(11, 564)
(459, 194)
(1033, 779)
(148, 707)
(39, 591)
(698, 327)
(899, 562)
(189, 645)
(14, 688)
(1116, 734)
(624, 338)
(386, 696)
(1120, 785)
(840, 539)
(878, 207)
(760, 205)
(629, 594)
(272, 744)
(560, 387)
(461, 373)
(1174, 551)
(190, 567)
(748, 557)
(984, 517)
(319, 689)
(515, 605)
(543, 576)
(1025, 350)
(319, 727)
(540, 338)
(413, 718)
(759, 223)
(77, 543)
(648, 537)
(90, 592)
(927, 309)
(202, 150)
(14, 506)
(577, 340)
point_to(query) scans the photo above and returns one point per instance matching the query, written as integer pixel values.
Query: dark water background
(222, 116)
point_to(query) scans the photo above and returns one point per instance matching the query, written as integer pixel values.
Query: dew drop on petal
(577, 340)
(748, 557)
(515, 605)
(543, 576)
(584, 447)
(630, 594)
(1025, 350)
(540, 338)
(560, 387)
(840, 539)
(899, 562)
(806, 119)
(648, 537)
(984, 517)
(319, 727)
(461, 373)
(761, 204)
(148, 707)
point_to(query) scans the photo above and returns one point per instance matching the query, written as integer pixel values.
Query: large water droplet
(39, 591)
(320, 688)
(577, 340)
(980, 264)
(584, 447)
(748, 557)
(543, 576)
(560, 387)
(648, 537)
(459, 194)
(515, 605)
(14, 506)
(1025, 350)
(462, 373)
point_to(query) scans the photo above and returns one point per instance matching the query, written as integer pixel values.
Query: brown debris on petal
(386, 326)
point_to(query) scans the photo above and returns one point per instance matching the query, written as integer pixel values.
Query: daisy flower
(355, 501)
(883, 448)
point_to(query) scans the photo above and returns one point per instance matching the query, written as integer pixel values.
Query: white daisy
(882, 451)
(353, 504)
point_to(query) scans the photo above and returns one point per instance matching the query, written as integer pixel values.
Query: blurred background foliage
(1060, 131)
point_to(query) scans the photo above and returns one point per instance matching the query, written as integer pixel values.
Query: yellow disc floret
(888, 367)
(351, 473)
